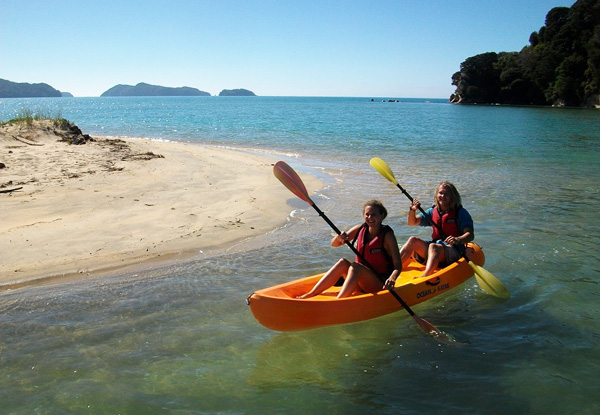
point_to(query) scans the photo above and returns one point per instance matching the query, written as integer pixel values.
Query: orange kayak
(277, 307)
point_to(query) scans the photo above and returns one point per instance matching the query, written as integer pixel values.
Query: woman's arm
(468, 235)
(339, 240)
(413, 218)
(467, 229)
(391, 246)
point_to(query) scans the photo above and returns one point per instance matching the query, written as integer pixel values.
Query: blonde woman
(447, 245)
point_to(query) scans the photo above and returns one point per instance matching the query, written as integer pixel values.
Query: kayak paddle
(293, 182)
(486, 280)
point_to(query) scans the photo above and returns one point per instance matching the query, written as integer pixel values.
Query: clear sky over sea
(374, 48)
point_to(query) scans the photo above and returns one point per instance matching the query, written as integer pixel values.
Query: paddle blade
(383, 169)
(291, 180)
(429, 328)
(488, 282)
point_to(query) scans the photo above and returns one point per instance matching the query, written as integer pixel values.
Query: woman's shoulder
(461, 211)
(387, 231)
(464, 217)
(357, 228)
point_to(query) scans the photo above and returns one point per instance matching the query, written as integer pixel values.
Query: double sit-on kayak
(277, 307)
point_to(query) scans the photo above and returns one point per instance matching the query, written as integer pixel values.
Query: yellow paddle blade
(488, 282)
(383, 169)
(485, 279)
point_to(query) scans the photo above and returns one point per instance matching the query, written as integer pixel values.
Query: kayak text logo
(430, 291)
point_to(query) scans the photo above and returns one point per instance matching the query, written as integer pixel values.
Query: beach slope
(78, 209)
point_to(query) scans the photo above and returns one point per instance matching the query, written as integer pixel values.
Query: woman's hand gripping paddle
(293, 182)
(486, 280)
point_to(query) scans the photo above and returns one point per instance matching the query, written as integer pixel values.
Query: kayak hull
(277, 307)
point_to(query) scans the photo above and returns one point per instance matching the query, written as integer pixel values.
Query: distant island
(560, 67)
(236, 93)
(146, 90)
(10, 89)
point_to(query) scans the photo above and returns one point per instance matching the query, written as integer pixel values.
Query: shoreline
(109, 204)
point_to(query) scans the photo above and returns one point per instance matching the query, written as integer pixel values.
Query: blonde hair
(455, 199)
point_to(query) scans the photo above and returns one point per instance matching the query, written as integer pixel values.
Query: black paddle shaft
(429, 219)
(362, 258)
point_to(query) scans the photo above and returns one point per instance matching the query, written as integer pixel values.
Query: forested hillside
(10, 89)
(560, 66)
(146, 90)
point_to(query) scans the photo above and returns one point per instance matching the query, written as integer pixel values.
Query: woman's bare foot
(304, 296)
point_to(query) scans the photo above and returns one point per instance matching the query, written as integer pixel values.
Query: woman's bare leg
(435, 254)
(412, 245)
(329, 279)
(361, 277)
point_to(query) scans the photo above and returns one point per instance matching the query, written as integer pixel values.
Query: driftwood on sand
(26, 141)
(10, 190)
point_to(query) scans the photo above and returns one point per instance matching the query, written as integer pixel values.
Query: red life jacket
(448, 222)
(374, 252)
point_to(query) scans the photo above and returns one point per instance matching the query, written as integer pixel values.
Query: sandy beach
(72, 209)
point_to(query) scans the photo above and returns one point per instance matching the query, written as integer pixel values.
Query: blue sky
(376, 48)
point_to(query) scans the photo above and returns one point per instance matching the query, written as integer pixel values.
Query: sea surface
(178, 338)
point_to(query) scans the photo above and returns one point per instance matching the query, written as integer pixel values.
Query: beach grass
(27, 116)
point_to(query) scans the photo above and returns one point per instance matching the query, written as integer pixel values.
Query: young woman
(457, 229)
(377, 244)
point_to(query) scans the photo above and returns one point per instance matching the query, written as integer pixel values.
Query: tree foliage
(560, 66)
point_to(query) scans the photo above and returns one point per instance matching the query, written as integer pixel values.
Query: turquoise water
(180, 338)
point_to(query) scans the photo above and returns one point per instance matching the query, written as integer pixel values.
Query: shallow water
(180, 338)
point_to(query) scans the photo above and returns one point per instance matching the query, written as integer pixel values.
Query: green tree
(478, 80)
(561, 64)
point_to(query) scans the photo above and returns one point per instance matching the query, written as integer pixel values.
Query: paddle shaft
(290, 179)
(485, 279)
(383, 169)
(362, 258)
